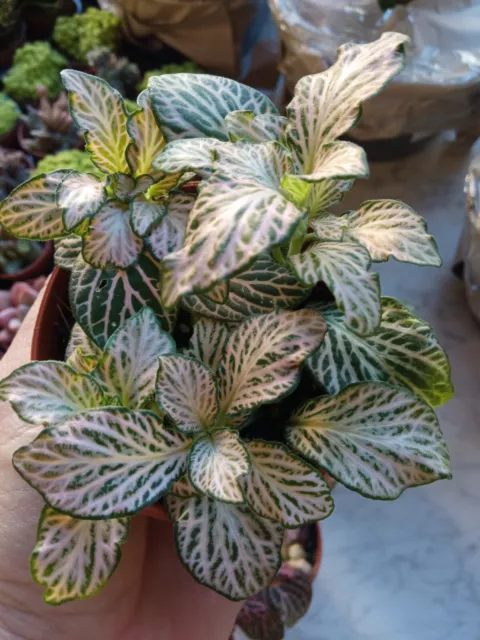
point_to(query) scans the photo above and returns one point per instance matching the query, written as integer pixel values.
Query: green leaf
(290, 594)
(48, 392)
(186, 390)
(147, 139)
(188, 155)
(121, 185)
(343, 266)
(219, 292)
(263, 357)
(326, 105)
(31, 211)
(224, 546)
(130, 361)
(75, 558)
(261, 288)
(208, 342)
(168, 234)
(98, 110)
(82, 362)
(67, 251)
(390, 228)
(103, 299)
(105, 463)
(80, 196)
(145, 213)
(215, 464)
(110, 241)
(403, 352)
(330, 227)
(78, 338)
(246, 191)
(283, 488)
(246, 126)
(326, 194)
(188, 105)
(259, 620)
(338, 160)
(373, 438)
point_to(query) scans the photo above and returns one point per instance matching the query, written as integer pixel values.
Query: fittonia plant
(216, 413)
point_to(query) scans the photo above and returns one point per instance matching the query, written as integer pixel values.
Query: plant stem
(277, 255)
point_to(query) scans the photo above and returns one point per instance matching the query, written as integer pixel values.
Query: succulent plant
(73, 160)
(14, 170)
(184, 67)
(15, 253)
(14, 306)
(50, 126)
(120, 73)
(9, 113)
(84, 32)
(35, 65)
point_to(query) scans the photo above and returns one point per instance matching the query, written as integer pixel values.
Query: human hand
(150, 596)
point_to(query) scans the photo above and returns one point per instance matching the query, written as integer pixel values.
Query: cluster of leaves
(9, 113)
(224, 422)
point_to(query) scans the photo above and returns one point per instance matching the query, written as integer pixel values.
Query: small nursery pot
(39, 267)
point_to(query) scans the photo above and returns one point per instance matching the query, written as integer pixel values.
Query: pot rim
(39, 267)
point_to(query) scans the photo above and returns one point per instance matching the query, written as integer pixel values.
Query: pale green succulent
(80, 34)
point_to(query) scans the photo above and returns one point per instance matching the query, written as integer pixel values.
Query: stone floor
(410, 570)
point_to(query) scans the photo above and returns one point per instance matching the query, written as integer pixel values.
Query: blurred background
(407, 570)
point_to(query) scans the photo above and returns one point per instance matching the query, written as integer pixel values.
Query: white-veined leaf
(218, 293)
(129, 364)
(188, 105)
(78, 338)
(82, 362)
(48, 392)
(263, 357)
(168, 234)
(208, 342)
(261, 288)
(290, 594)
(183, 488)
(145, 213)
(326, 194)
(103, 299)
(245, 125)
(104, 464)
(147, 139)
(338, 160)
(373, 438)
(194, 154)
(31, 211)
(75, 558)
(239, 213)
(125, 187)
(326, 105)
(67, 251)
(225, 546)
(283, 488)
(110, 241)
(343, 266)
(215, 462)
(80, 196)
(186, 390)
(390, 228)
(259, 620)
(403, 352)
(330, 227)
(98, 110)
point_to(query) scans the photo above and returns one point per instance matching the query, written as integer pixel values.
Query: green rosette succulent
(9, 113)
(82, 33)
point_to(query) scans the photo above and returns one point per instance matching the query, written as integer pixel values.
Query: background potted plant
(9, 113)
(206, 373)
(71, 159)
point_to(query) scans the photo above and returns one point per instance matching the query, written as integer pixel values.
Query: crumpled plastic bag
(438, 90)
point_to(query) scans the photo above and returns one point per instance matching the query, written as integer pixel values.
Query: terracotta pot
(39, 267)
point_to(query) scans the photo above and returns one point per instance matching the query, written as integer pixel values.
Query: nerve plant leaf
(338, 160)
(82, 362)
(325, 194)
(208, 342)
(147, 139)
(246, 126)
(373, 438)
(80, 196)
(49, 392)
(246, 190)
(31, 211)
(190, 105)
(145, 213)
(130, 361)
(215, 464)
(390, 228)
(290, 594)
(327, 105)
(259, 619)
(135, 456)
(283, 488)
(225, 546)
(192, 154)
(263, 356)
(343, 266)
(103, 299)
(75, 558)
(261, 288)
(167, 234)
(98, 110)
(67, 251)
(186, 390)
(403, 352)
